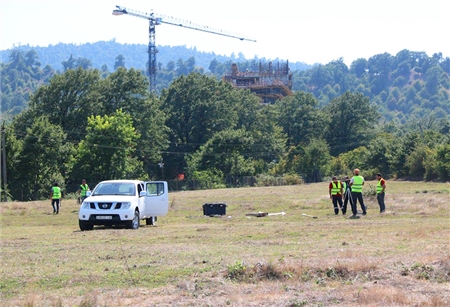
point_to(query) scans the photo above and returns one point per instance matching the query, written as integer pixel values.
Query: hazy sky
(310, 31)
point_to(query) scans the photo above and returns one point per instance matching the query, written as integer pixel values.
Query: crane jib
(156, 19)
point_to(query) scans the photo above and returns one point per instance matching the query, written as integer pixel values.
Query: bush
(370, 190)
(293, 179)
(209, 179)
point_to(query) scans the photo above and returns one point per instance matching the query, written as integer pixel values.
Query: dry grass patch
(398, 258)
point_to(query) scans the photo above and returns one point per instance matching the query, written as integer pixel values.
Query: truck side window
(155, 189)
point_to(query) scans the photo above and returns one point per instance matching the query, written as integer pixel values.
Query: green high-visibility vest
(56, 193)
(336, 188)
(379, 186)
(84, 189)
(357, 185)
(344, 185)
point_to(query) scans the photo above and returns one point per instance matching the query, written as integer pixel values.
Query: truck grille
(104, 206)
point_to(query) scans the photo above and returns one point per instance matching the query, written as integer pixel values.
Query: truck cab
(124, 202)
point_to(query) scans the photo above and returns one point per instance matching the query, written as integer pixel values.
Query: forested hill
(404, 87)
(407, 86)
(136, 56)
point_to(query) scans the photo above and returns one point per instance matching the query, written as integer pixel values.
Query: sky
(308, 31)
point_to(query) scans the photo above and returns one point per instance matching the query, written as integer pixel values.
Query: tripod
(348, 195)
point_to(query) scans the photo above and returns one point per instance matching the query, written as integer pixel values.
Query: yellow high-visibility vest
(379, 186)
(357, 185)
(56, 193)
(84, 189)
(336, 188)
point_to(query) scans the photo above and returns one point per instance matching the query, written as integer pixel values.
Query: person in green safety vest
(55, 196)
(356, 184)
(82, 190)
(381, 188)
(335, 191)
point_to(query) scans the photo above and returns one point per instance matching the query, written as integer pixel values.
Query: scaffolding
(269, 83)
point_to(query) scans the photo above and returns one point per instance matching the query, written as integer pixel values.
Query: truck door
(156, 198)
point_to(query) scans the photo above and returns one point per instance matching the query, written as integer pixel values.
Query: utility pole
(1, 166)
(5, 185)
(161, 165)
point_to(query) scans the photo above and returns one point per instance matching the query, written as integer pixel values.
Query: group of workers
(341, 193)
(55, 195)
(350, 190)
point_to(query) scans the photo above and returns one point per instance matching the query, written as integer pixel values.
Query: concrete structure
(269, 83)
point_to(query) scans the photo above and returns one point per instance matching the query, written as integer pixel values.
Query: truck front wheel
(134, 223)
(85, 225)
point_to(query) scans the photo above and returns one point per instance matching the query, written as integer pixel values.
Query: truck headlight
(85, 205)
(125, 205)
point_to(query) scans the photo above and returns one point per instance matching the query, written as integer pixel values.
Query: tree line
(85, 123)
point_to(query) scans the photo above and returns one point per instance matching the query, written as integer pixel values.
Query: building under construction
(270, 82)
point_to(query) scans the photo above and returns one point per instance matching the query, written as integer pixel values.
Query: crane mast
(157, 19)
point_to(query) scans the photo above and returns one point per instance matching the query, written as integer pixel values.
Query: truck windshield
(115, 188)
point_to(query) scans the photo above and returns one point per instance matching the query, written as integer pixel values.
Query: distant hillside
(407, 86)
(136, 56)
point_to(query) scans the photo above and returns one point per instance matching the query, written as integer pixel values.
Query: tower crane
(157, 19)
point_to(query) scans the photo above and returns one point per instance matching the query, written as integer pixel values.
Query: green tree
(213, 65)
(43, 160)
(190, 64)
(383, 151)
(128, 90)
(352, 119)
(119, 61)
(300, 118)
(415, 162)
(69, 64)
(312, 161)
(123, 89)
(228, 151)
(380, 67)
(358, 67)
(356, 158)
(107, 152)
(67, 102)
(13, 148)
(32, 58)
(443, 161)
(197, 107)
(83, 63)
(154, 134)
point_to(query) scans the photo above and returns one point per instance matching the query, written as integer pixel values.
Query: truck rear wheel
(151, 221)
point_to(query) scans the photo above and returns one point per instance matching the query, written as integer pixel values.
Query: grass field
(400, 258)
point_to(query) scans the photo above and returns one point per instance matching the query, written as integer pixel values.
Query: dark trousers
(347, 198)
(55, 205)
(357, 196)
(337, 200)
(380, 198)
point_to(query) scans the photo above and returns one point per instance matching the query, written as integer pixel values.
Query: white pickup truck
(124, 202)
